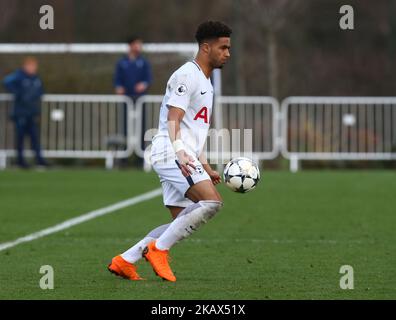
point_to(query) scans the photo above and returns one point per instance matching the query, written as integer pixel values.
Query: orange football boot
(159, 261)
(120, 267)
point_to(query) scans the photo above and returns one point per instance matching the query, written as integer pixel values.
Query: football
(241, 175)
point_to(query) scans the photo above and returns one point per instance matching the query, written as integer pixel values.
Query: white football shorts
(175, 185)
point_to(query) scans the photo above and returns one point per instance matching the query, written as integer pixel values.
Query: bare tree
(7, 11)
(268, 17)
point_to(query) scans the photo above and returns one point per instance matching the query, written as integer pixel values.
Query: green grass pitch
(285, 240)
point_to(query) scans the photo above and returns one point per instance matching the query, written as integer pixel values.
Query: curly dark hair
(211, 30)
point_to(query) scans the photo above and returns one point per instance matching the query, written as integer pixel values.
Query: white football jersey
(190, 90)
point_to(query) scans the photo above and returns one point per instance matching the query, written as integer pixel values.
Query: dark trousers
(27, 126)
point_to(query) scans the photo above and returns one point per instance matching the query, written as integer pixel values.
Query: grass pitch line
(83, 218)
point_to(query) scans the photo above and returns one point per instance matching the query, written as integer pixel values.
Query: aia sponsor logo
(202, 114)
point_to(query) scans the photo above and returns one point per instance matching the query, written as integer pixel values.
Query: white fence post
(109, 161)
(3, 161)
(294, 164)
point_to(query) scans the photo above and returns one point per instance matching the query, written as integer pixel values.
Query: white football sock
(134, 254)
(188, 221)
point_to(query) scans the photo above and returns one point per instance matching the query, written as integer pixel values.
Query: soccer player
(177, 155)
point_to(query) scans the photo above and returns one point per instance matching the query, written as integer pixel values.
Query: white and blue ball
(241, 175)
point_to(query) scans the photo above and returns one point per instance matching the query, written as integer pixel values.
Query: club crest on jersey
(202, 114)
(181, 90)
(199, 169)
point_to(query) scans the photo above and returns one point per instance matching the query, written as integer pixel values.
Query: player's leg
(206, 202)
(124, 264)
(204, 190)
(134, 254)
(175, 211)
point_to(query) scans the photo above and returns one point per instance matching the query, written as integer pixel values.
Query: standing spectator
(132, 78)
(27, 89)
(133, 72)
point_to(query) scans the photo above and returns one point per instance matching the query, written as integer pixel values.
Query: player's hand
(185, 162)
(214, 175)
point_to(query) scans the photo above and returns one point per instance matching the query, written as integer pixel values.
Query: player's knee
(211, 206)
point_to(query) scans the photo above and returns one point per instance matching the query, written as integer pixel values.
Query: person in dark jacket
(133, 72)
(132, 78)
(27, 89)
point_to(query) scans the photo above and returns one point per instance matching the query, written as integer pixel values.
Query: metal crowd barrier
(227, 137)
(76, 126)
(338, 128)
(304, 128)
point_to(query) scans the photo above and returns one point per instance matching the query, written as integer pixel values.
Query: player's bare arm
(175, 116)
(214, 175)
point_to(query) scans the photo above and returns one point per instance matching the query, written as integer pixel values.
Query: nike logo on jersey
(202, 93)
